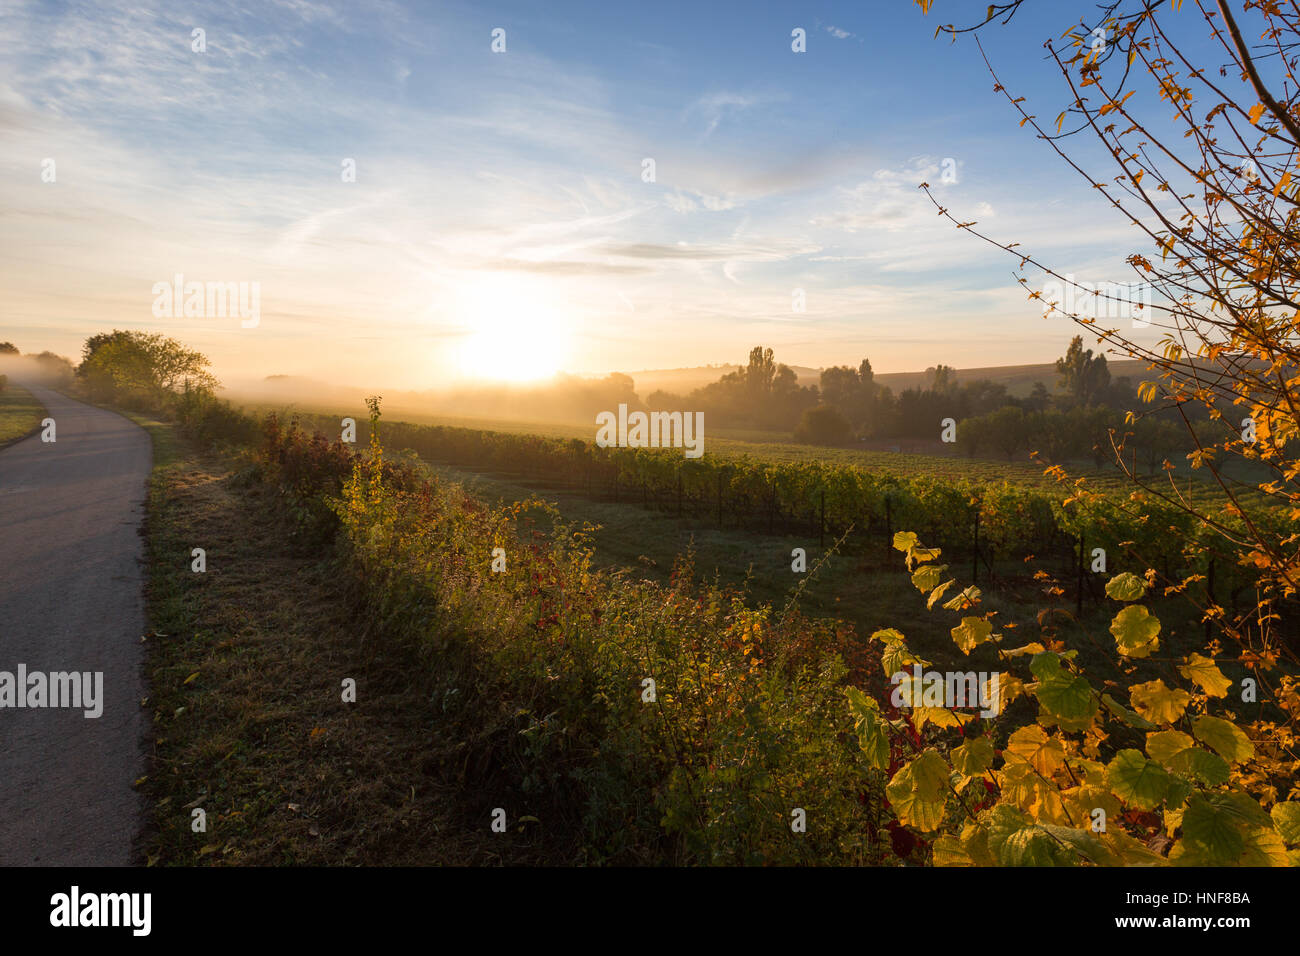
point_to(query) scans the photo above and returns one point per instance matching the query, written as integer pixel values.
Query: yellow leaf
(1206, 675)
(1158, 703)
(1256, 112)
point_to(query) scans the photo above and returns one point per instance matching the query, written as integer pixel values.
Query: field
(20, 413)
(641, 530)
(731, 443)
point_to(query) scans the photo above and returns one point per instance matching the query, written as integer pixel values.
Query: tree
(823, 425)
(942, 378)
(142, 368)
(1082, 377)
(8, 348)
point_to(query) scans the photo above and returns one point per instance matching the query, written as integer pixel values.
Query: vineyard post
(679, 494)
(719, 499)
(889, 521)
(975, 559)
(821, 536)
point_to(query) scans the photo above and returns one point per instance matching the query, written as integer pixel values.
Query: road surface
(71, 600)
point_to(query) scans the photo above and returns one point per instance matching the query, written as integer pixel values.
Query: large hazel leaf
(1066, 696)
(1126, 587)
(1135, 631)
(1206, 675)
(1136, 780)
(1157, 702)
(1286, 817)
(918, 791)
(1032, 745)
(873, 735)
(971, 632)
(1227, 739)
(974, 757)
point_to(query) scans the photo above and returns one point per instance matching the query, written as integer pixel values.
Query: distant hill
(1019, 379)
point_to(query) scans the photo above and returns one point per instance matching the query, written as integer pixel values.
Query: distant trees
(853, 392)
(823, 425)
(761, 394)
(8, 348)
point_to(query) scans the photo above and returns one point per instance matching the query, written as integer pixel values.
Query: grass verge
(245, 665)
(20, 414)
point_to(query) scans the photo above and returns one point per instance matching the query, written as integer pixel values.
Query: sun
(514, 331)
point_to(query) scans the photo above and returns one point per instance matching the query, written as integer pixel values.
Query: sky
(502, 222)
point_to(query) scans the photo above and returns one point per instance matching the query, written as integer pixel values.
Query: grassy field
(20, 413)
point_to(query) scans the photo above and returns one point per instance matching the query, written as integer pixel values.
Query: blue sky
(499, 224)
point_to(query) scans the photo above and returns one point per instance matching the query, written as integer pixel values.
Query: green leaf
(1136, 780)
(1065, 696)
(1033, 846)
(1126, 587)
(918, 791)
(1213, 832)
(1286, 817)
(873, 734)
(896, 657)
(1085, 842)
(972, 632)
(1135, 631)
(887, 636)
(1177, 752)
(1225, 737)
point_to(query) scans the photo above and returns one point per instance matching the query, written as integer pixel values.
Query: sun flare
(515, 332)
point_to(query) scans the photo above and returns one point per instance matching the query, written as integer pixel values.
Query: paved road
(70, 600)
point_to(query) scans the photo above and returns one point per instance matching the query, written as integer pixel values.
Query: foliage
(1174, 775)
(544, 662)
(823, 425)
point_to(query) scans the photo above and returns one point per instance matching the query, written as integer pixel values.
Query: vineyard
(983, 521)
(677, 724)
